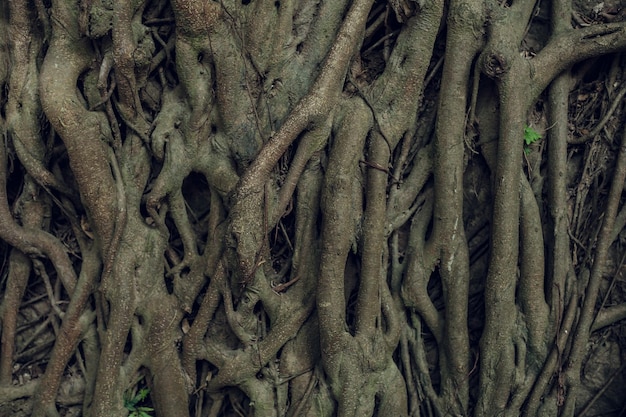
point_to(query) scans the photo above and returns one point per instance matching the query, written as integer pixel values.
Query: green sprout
(131, 403)
(530, 136)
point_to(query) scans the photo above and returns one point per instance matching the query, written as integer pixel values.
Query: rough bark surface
(312, 208)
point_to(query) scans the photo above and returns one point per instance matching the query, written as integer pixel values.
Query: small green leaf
(143, 393)
(530, 135)
(141, 409)
(131, 403)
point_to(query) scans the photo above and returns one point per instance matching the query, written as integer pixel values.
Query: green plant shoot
(530, 136)
(131, 403)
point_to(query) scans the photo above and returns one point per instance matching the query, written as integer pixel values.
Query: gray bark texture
(281, 208)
